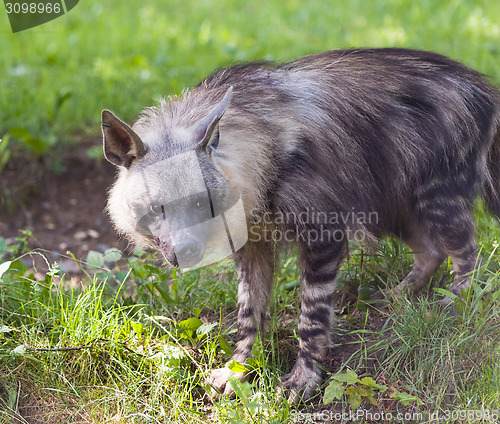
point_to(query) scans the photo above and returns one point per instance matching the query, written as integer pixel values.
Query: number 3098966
(25, 8)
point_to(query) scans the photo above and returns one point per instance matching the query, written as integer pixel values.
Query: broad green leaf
(406, 398)
(138, 251)
(445, 293)
(292, 284)
(104, 276)
(122, 275)
(335, 390)
(235, 366)
(383, 388)
(191, 324)
(36, 145)
(349, 377)
(12, 393)
(205, 328)
(19, 132)
(112, 255)
(95, 259)
(369, 382)
(354, 397)
(225, 346)
(367, 393)
(460, 306)
(253, 363)
(370, 397)
(242, 389)
(363, 390)
(137, 327)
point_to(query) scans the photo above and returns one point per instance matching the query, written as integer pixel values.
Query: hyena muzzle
(309, 150)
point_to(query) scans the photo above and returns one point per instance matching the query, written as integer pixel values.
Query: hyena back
(408, 137)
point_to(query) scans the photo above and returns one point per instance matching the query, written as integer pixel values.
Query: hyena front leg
(255, 265)
(320, 264)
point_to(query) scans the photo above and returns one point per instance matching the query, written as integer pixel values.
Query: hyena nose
(189, 250)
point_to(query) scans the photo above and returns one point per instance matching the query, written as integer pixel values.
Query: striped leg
(320, 264)
(460, 244)
(427, 257)
(255, 264)
(449, 219)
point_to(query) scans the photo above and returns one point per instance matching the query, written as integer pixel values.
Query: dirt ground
(65, 212)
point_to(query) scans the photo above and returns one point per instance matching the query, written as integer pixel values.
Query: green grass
(56, 78)
(136, 343)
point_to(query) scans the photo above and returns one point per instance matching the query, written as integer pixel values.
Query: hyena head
(169, 194)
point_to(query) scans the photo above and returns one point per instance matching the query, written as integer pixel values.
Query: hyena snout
(166, 249)
(189, 250)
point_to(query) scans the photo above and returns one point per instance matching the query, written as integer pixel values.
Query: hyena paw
(299, 385)
(219, 381)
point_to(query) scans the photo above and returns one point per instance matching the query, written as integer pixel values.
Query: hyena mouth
(185, 253)
(166, 250)
(189, 252)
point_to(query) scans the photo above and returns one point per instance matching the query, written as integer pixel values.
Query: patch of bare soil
(65, 212)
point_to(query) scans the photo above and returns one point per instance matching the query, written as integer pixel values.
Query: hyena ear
(121, 144)
(207, 131)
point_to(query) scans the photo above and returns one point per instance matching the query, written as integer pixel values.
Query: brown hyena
(311, 149)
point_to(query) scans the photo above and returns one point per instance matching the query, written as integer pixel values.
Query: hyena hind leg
(456, 238)
(427, 258)
(319, 270)
(463, 265)
(464, 261)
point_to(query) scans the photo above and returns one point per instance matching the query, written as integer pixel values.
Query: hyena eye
(157, 209)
